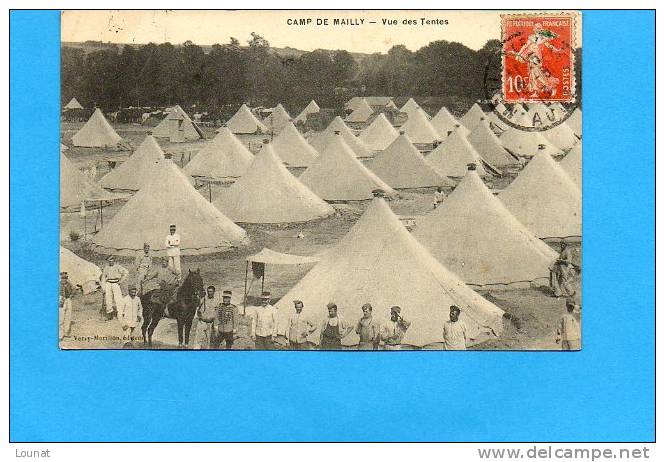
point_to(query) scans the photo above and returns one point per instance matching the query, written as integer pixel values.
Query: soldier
(66, 294)
(568, 331)
(225, 315)
(143, 265)
(264, 324)
(298, 327)
(112, 276)
(393, 332)
(454, 331)
(131, 314)
(333, 329)
(368, 330)
(172, 243)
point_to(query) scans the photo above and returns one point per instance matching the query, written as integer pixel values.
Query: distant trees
(230, 74)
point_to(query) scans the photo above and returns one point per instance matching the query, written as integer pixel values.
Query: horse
(182, 309)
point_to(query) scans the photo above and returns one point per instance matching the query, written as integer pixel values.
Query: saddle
(164, 295)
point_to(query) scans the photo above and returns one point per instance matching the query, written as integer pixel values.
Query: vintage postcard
(321, 180)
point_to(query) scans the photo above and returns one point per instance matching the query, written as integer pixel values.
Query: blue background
(604, 393)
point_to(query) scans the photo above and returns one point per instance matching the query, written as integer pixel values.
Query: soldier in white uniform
(172, 244)
(112, 276)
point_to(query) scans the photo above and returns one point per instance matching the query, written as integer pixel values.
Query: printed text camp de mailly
(324, 21)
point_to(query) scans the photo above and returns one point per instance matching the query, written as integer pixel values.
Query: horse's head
(195, 283)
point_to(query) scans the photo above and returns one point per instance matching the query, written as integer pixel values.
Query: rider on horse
(164, 281)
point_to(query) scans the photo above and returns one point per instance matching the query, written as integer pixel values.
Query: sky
(472, 28)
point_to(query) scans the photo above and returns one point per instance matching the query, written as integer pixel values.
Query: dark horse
(187, 300)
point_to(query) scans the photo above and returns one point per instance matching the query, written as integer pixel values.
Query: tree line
(160, 75)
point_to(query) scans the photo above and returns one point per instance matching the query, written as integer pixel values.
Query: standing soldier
(112, 276)
(172, 243)
(333, 329)
(298, 327)
(131, 314)
(454, 331)
(368, 330)
(225, 315)
(207, 314)
(568, 331)
(66, 294)
(143, 265)
(264, 324)
(439, 196)
(394, 331)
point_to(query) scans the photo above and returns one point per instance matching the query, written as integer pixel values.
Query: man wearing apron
(333, 329)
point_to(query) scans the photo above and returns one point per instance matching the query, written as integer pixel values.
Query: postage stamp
(538, 57)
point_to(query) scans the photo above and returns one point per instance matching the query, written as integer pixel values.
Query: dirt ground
(531, 313)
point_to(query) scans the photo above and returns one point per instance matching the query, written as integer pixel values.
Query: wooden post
(244, 298)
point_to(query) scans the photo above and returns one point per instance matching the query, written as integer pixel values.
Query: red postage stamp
(538, 57)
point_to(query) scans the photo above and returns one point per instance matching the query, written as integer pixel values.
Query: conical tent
(561, 135)
(79, 271)
(379, 134)
(472, 117)
(132, 174)
(269, 193)
(311, 108)
(411, 107)
(177, 125)
(221, 158)
(322, 139)
(73, 104)
(486, 143)
(572, 164)
(401, 165)
(545, 200)
(243, 121)
(337, 175)
(419, 128)
(96, 133)
(292, 148)
(575, 122)
(168, 198)
(361, 113)
(381, 263)
(75, 187)
(277, 120)
(526, 143)
(483, 243)
(444, 122)
(453, 155)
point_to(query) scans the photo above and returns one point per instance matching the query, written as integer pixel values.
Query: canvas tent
(75, 187)
(80, 272)
(361, 113)
(472, 117)
(320, 141)
(311, 108)
(402, 166)
(572, 164)
(444, 122)
(526, 143)
(453, 155)
(380, 262)
(224, 157)
(411, 107)
(96, 133)
(373, 101)
(486, 143)
(337, 175)
(561, 135)
(244, 122)
(269, 193)
(277, 119)
(168, 198)
(483, 243)
(73, 104)
(419, 128)
(540, 115)
(133, 173)
(293, 148)
(379, 134)
(177, 126)
(545, 200)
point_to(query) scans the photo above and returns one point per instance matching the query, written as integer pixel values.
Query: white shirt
(454, 335)
(263, 321)
(172, 244)
(132, 309)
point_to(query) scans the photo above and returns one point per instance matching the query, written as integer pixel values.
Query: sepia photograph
(321, 180)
